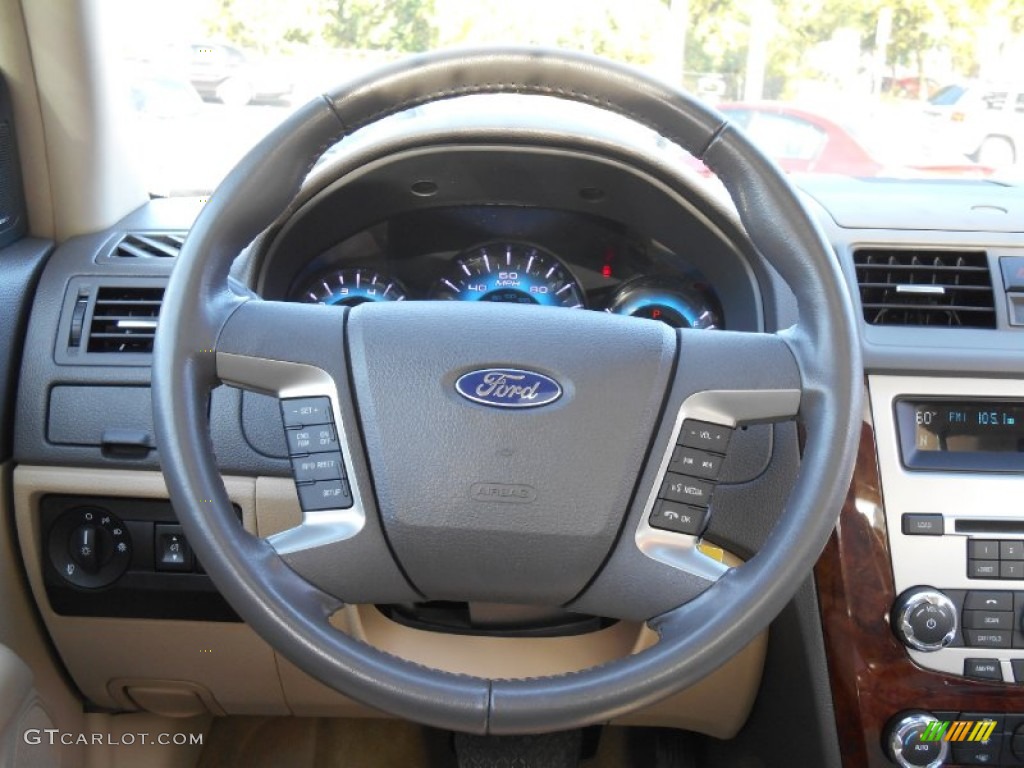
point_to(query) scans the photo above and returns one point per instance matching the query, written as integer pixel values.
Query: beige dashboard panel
(226, 668)
(718, 705)
(56, 705)
(227, 660)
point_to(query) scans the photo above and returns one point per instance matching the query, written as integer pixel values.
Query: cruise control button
(988, 638)
(304, 411)
(318, 466)
(678, 518)
(317, 439)
(696, 463)
(686, 490)
(915, 524)
(988, 601)
(704, 435)
(983, 669)
(327, 494)
(988, 620)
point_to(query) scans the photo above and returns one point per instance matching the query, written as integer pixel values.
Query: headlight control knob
(89, 547)
(924, 619)
(907, 749)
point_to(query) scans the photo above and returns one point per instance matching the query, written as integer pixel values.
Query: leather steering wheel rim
(291, 613)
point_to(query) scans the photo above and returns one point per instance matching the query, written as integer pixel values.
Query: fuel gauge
(666, 299)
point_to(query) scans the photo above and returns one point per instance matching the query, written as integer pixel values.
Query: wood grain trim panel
(872, 676)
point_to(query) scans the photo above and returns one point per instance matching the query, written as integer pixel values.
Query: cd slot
(990, 526)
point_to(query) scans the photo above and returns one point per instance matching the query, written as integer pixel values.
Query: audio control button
(988, 638)
(706, 436)
(988, 620)
(988, 601)
(983, 669)
(925, 619)
(918, 524)
(983, 569)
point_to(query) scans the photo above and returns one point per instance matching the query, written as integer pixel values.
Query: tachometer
(668, 300)
(352, 286)
(511, 272)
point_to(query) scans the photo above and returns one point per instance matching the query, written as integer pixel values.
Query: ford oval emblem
(508, 388)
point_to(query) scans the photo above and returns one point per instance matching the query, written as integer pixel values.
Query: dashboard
(576, 231)
(506, 254)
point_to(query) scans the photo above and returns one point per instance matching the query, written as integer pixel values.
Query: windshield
(863, 89)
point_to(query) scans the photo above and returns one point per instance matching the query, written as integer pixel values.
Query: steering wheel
(413, 394)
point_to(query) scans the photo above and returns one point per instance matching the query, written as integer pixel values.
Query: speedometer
(517, 273)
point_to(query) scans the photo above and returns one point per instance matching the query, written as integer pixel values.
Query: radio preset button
(1011, 569)
(983, 549)
(983, 569)
(1011, 550)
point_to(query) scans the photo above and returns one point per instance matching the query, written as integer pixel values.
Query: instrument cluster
(515, 255)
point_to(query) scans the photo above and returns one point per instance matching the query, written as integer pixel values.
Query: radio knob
(907, 749)
(924, 619)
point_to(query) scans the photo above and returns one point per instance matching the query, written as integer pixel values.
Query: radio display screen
(968, 427)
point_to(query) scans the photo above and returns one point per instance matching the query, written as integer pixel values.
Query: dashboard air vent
(925, 287)
(147, 245)
(124, 319)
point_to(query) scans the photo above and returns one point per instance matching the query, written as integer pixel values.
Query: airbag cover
(505, 504)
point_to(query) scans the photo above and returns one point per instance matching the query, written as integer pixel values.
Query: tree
(271, 26)
(264, 25)
(391, 25)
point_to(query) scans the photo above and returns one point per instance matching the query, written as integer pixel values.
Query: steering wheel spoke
(724, 381)
(296, 352)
